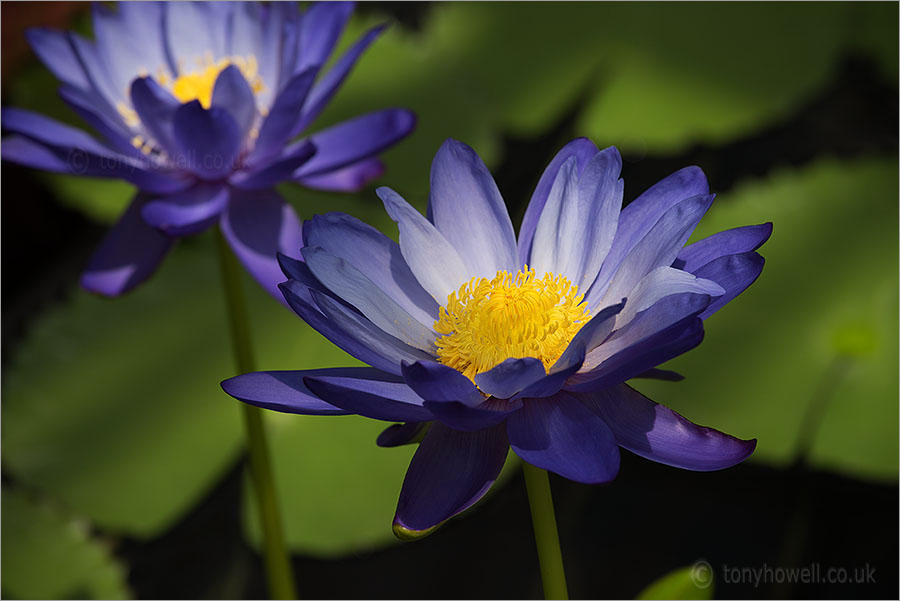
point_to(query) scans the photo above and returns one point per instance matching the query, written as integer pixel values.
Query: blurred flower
(197, 105)
(500, 343)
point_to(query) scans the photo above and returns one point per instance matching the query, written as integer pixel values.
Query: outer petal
(432, 259)
(352, 286)
(580, 148)
(659, 434)
(351, 178)
(450, 471)
(187, 212)
(276, 128)
(286, 391)
(323, 23)
(505, 379)
(385, 399)
(327, 86)
(208, 140)
(357, 139)
(658, 248)
(57, 54)
(561, 435)
(640, 216)
(663, 282)
(257, 226)
(402, 434)
(128, 255)
(577, 226)
(110, 127)
(192, 30)
(730, 242)
(266, 175)
(734, 273)
(466, 207)
(348, 329)
(375, 255)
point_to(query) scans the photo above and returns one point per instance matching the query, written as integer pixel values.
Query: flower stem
(278, 567)
(553, 575)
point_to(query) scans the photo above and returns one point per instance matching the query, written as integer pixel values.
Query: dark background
(616, 538)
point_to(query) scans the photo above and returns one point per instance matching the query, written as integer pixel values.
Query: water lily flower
(479, 341)
(200, 106)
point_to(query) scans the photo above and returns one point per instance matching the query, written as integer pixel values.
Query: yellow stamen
(198, 85)
(521, 315)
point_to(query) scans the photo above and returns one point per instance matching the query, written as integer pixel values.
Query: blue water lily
(200, 105)
(480, 341)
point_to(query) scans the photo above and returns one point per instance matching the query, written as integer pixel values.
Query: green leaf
(828, 291)
(48, 554)
(692, 582)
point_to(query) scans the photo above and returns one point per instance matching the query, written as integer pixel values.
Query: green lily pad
(826, 300)
(692, 582)
(48, 554)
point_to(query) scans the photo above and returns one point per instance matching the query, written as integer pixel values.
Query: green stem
(278, 567)
(553, 575)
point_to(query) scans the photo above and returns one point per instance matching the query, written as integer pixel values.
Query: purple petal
(208, 140)
(356, 139)
(466, 207)
(450, 471)
(94, 66)
(398, 435)
(57, 54)
(646, 345)
(375, 255)
(561, 435)
(734, 273)
(386, 399)
(353, 287)
(156, 108)
(322, 25)
(579, 219)
(661, 374)
(258, 226)
(658, 248)
(659, 434)
(348, 329)
(187, 212)
(192, 30)
(432, 259)
(505, 379)
(453, 399)
(660, 283)
(580, 148)
(730, 242)
(276, 128)
(128, 255)
(269, 174)
(286, 391)
(351, 178)
(332, 80)
(110, 127)
(639, 217)
(232, 93)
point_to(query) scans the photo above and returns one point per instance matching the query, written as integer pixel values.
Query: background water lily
(527, 343)
(199, 105)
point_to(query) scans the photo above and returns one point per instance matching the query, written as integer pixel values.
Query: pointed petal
(285, 391)
(322, 25)
(128, 255)
(734, 273)
(385, 399)
(509, 377)
(232, 93)
(660, 283)
(432, 259)
(208, 140)
(730, 242)
(357, 139)
(276, 128)
(450, 471)
(156, 108)
(659, 434)
(57, 54)
(351, 178)
(402, 434)
(466, 207)
(280, 169)
(580, 148)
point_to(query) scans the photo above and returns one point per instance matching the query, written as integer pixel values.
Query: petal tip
(408, 534)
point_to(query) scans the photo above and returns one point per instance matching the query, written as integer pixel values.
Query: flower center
(198, 84)
(521, 315)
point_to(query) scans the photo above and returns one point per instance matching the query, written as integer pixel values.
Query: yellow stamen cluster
(521, 315)
(198, 85)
